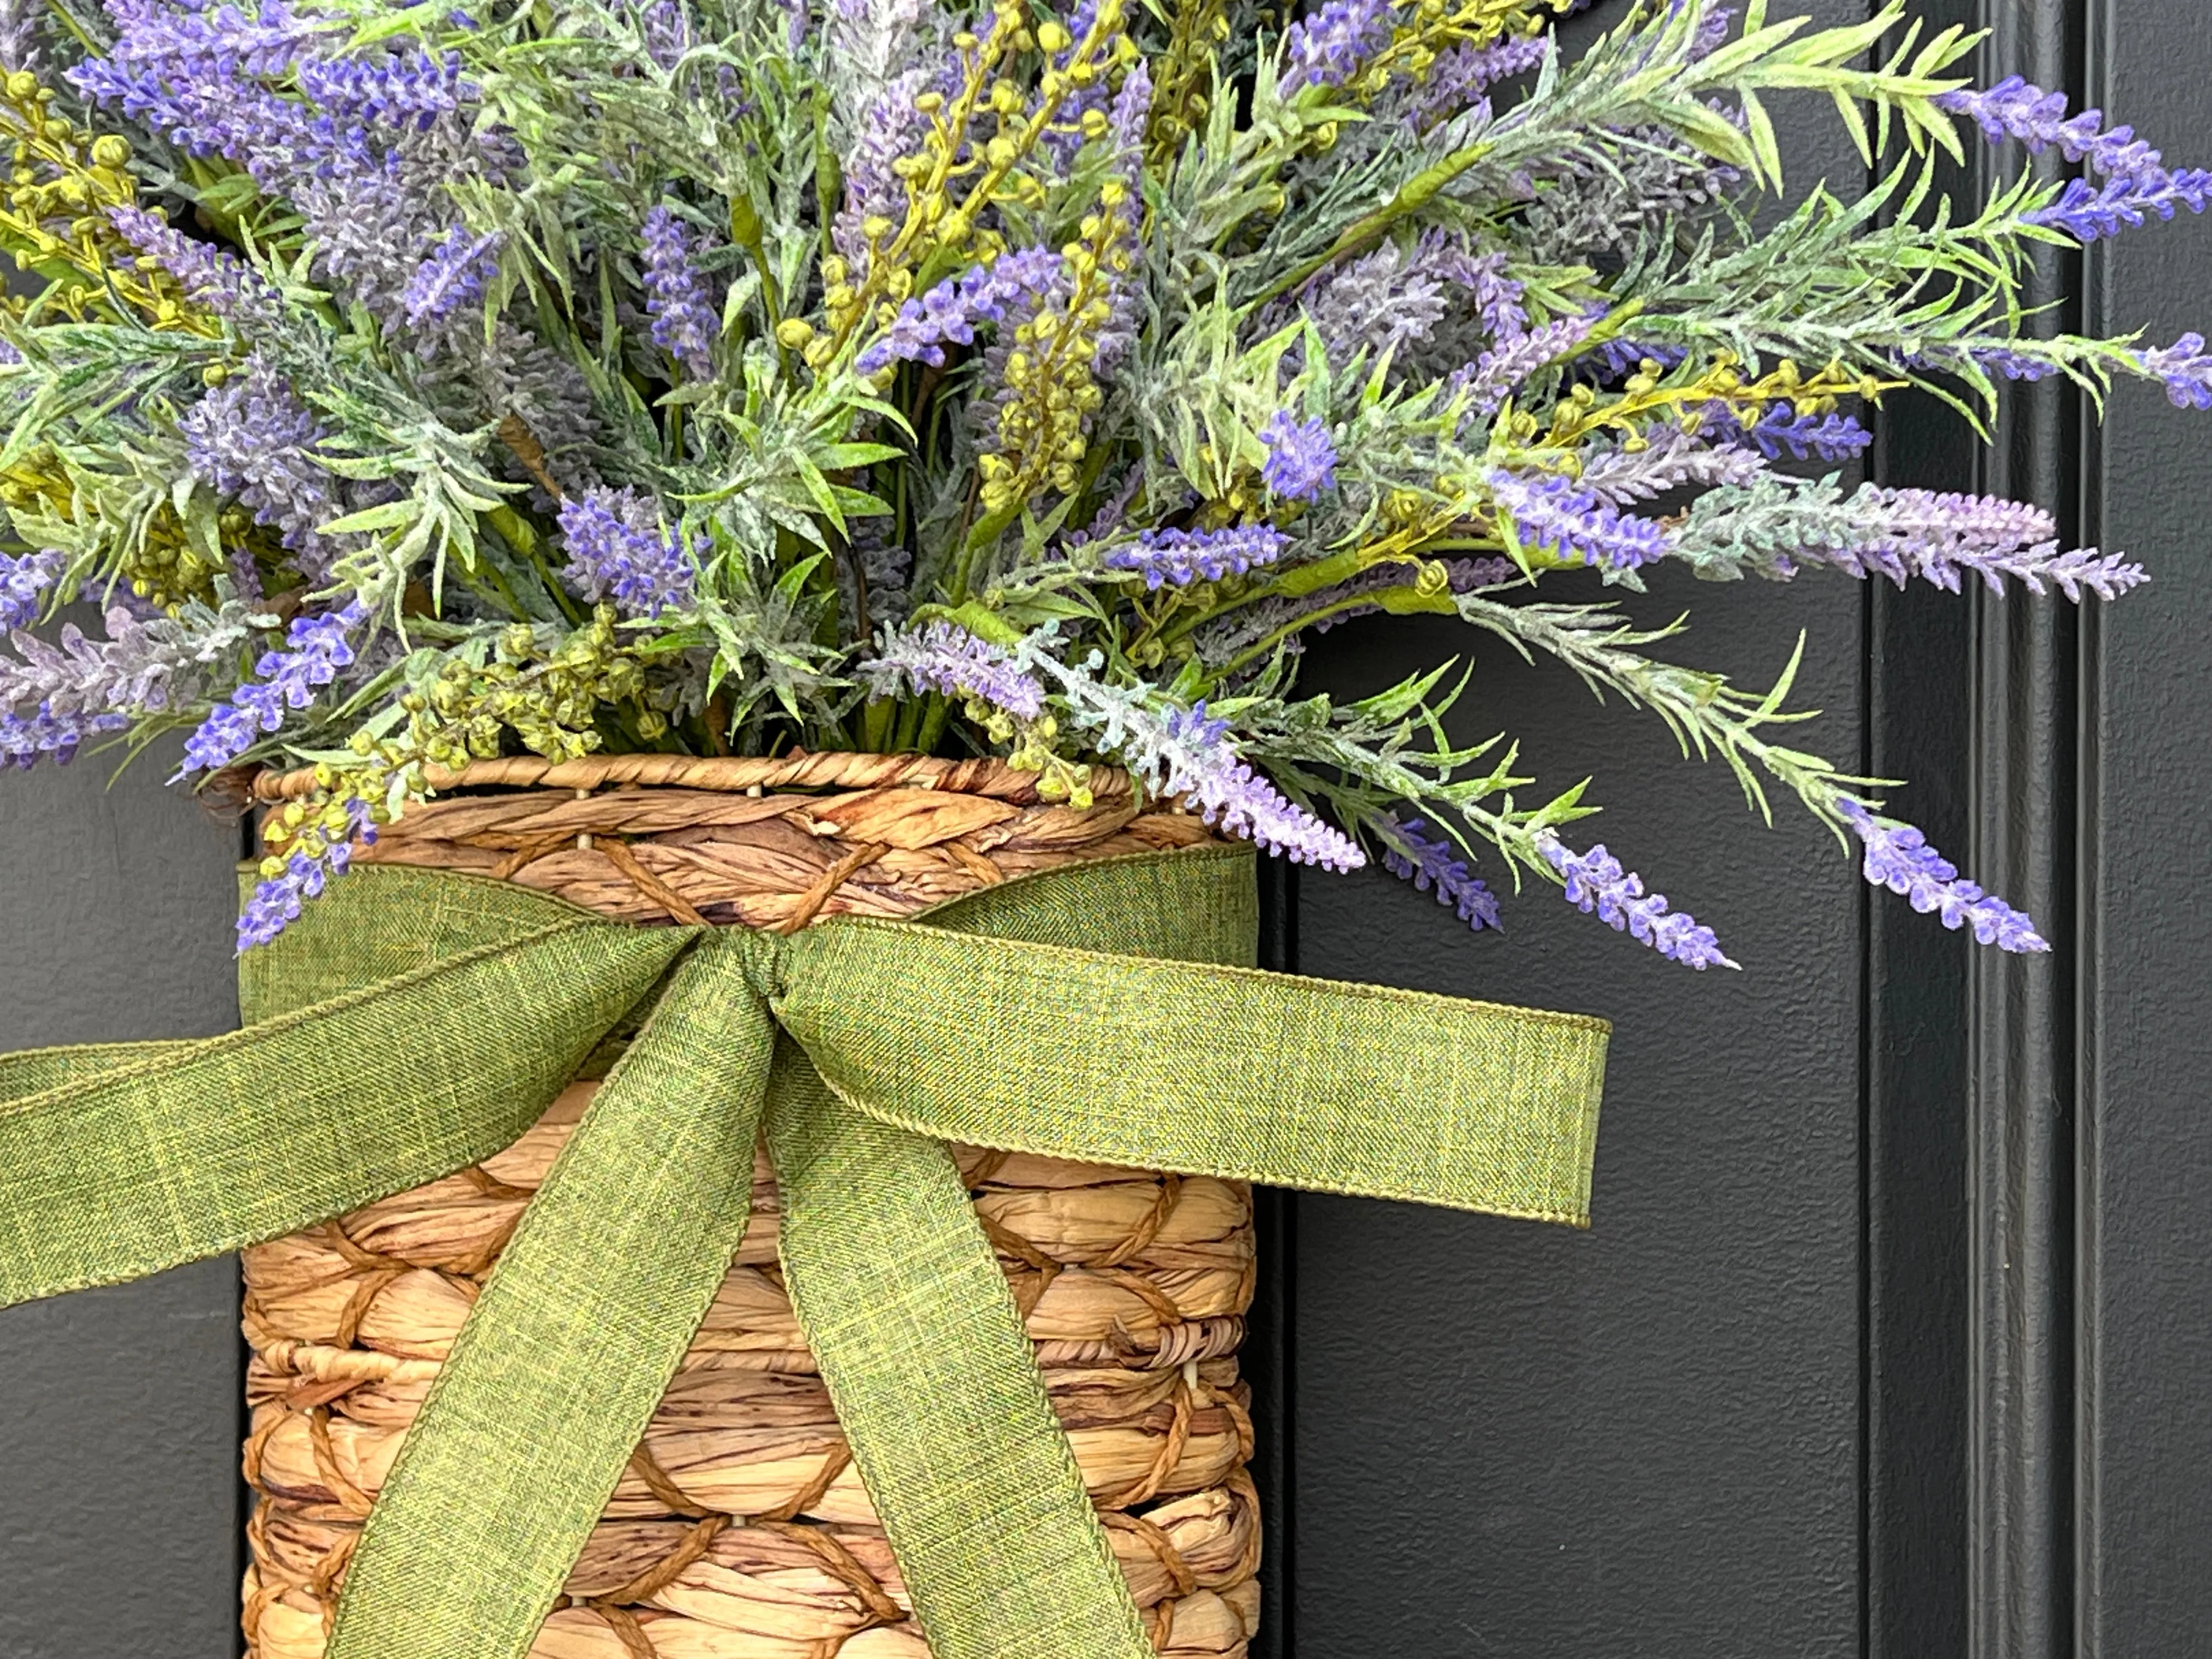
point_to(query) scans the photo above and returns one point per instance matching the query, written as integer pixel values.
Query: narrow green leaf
(387, 516)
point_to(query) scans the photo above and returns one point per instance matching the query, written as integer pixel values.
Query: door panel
(2144, 1143)
(120, 1411)
(1516, 1440)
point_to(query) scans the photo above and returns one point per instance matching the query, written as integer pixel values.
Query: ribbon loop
(1202, 1068)
(118, 1162)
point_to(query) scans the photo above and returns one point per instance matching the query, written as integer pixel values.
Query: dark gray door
(119, 1408)
(1891, 1334)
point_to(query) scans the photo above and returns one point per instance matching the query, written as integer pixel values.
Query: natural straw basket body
(741, 1530)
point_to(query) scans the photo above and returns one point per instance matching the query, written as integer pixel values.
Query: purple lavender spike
(24, 584)
(1127, 120)
(2012, 365)
(1180, 557)
(1712, 33)
(873, 190)
(365, 164)
(453, 275)
(1553, 513)
(1942, 538)
(277, 901)
(318, 647)
(1111, 512)
(1899, 857)
(251, 437)
(1595, 881)
(2001, 361)
(1496, 295)
(1463, 73)
(25, 737)
(2088, 214)
(2185, 368)
(1950, 519)
(1386, 299)
(1472, 575)
(667, 28)
(153, 33)
(619, 549)
(408, 91)
(1617, 357)
(1301, 458)
(950, 311)
(1431, 865)
(1327, 47)
(1829, 437)
(2016, 108)
(684, 323)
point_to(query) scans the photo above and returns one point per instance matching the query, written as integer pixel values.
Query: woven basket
(740, 1529)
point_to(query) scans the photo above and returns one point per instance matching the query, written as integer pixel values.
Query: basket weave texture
(740, 1529)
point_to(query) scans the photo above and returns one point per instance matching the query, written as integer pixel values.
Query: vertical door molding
(1268, 1359)
(2030, 749)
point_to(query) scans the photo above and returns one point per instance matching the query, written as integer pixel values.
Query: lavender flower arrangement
(1011, 380)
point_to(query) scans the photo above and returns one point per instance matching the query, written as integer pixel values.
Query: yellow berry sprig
(1582, 410)
(53, 217)
(939, 230)
(1433, 26)
(1040, 430)
(1182, 77)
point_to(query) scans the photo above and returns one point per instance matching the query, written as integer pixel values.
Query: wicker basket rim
(801, 769)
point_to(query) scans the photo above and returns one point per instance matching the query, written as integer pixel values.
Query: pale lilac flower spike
(1553, 513)
(210, 277)
(943, 657)
(1499, 372)
(1203, 765)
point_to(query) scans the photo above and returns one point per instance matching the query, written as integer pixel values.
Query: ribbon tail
(938, 1390)
(120, 1160)
(557, 1371)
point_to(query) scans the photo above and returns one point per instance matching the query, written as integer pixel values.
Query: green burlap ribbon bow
(413, 1021)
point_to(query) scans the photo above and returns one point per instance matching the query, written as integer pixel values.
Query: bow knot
(759, 957)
